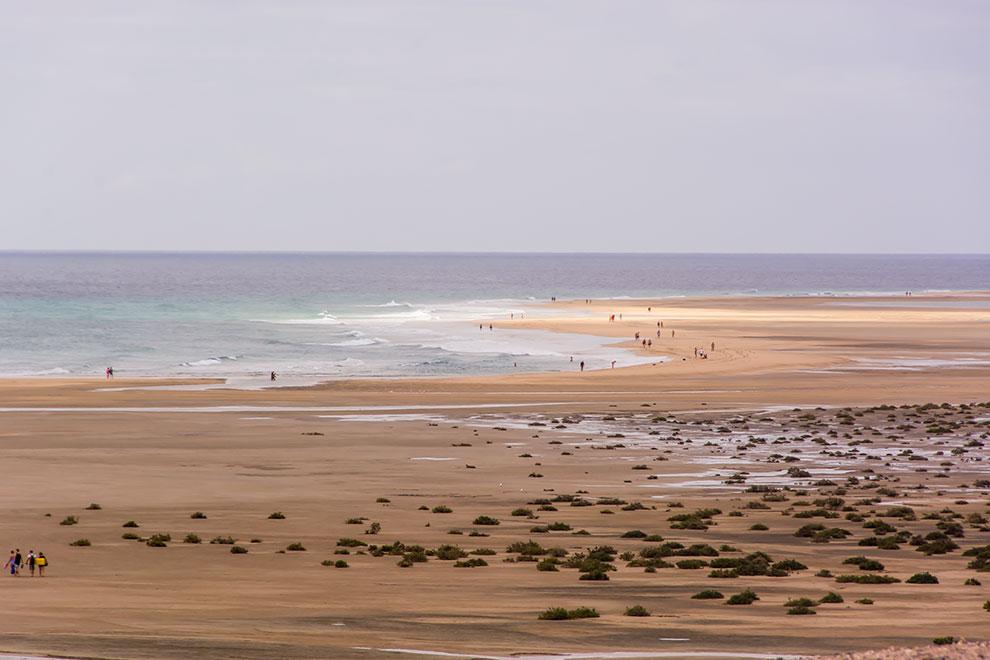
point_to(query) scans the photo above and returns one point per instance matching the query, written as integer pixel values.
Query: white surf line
(290, 409)
(591, 655)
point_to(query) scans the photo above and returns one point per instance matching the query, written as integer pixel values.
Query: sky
(509, 125)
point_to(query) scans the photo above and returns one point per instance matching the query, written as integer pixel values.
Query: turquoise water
(340, 315)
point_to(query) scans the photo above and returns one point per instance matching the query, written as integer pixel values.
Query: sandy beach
(659, 477)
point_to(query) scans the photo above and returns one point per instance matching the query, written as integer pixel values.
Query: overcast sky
(495, 125)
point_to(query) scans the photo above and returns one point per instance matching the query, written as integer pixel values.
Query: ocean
(312, 316)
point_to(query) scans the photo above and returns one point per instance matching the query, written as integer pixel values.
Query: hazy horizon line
(43, 251)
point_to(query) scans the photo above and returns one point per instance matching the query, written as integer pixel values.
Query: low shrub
(869, 578)
(277, 515)
(745, 597)
(922, 578)
(708, 594)
(637, 610)
(471, 563)
(238, 550)
(554, 613)
(81, 543)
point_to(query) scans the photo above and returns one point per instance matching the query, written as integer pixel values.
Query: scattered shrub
(922, 578)
(561, 614)
(745, 597)
(637, 610)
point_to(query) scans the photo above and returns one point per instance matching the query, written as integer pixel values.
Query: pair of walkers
(33, 562)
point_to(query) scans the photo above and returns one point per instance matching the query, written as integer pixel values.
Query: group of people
(34, 562)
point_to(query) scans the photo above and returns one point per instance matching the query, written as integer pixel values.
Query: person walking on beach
(42, 563)
(31, 562)
(274, 376)
(672, 333)
(649, 344)
(18, 560)
(713, 346)
(582, 365)
(10, 564)
(613, 364)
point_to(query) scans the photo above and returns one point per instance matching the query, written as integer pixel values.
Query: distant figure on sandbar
(274, 376)
(582, 365)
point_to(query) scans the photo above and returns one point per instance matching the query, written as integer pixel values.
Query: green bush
(93, 506)
(831, 597)
(81, 543)
(562, 614)
(471, 563)
(745, 597)
(922, 578)
(198, 515)
(130, 523)
(801, 610)
(708, 594)
(869, 578)
(192, 538)
(222, 540)
(637, 610)
(486, 520)
(295, 547)
(130, 536)
(345, 542)
(442, 508)
(449, 553)
(238, 550)
(277, 515)
(159, 540)
(69, 520)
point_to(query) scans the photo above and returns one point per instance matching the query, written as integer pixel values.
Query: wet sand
(719, 433)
